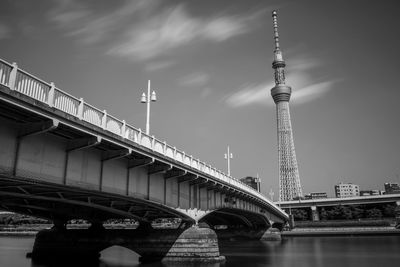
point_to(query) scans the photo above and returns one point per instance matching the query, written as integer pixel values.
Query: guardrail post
(50, 98)
(80, 108)
(123, 129)
(13, 76)
(153, 141)
(174, 153)
(104, 120)
(140, 137)
(165, 148)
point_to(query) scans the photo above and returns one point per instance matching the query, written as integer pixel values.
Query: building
(392, 188)
(370, 193)
(343, 190)
(289, 179)
(316, 195)
(253, 182)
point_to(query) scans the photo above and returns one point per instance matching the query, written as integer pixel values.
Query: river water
(366, 251)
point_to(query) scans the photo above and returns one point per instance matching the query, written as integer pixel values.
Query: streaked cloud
(250, 94)
(311, 92)
(195, 79)
(4, 32)
(175, 27)
(305, 87)
(207, 91)
(92, 26)
(145, 29)
(198, 81)
(158, 65)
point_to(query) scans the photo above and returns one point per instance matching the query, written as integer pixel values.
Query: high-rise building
(392, 188)
(289, 180)
(343, 190)
(253, 182)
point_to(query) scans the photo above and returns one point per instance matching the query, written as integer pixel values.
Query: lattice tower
(289, 179)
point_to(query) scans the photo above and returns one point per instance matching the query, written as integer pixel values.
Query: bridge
(314, 204)
(62, 158)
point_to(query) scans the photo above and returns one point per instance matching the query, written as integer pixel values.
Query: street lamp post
(228, 157)
(147, 99)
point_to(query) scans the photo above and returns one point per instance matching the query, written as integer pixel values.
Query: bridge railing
(27, 84)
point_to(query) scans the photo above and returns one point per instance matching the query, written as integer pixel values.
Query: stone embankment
(325, 231)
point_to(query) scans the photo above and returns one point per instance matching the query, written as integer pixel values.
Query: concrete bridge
(62, 159)
(315, 204)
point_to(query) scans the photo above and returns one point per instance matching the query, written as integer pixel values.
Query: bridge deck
(340, 201)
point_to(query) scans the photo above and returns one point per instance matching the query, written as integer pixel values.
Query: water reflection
(299, 251)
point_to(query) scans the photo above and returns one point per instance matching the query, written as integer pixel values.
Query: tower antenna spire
(278, 64)
(275, 22)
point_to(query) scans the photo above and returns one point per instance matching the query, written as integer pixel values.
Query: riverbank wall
(342, 231)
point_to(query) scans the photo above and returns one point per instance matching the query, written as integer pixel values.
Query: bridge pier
(191, 244)
(314, 213)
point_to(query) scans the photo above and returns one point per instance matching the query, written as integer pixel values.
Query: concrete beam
(199, 182)
(29, 129)
(174, 173)
(82, 143)
(241, 217)
(23, 190)
(140, 162)
(116, 154)
(34, 128)
(187, 177)
(74, 202)
(158, 168)
(211, 185)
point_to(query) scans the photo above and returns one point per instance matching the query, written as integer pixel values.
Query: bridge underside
(55, 202)
(235, 218)
(60, 202)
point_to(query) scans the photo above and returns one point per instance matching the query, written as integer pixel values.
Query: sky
(210, 65)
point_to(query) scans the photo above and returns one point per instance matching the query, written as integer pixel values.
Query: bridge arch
(235, 218)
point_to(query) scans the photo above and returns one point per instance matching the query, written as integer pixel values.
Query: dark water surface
(376, 251)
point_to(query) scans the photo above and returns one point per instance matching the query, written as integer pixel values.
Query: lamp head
(143, 98)
(153, 96)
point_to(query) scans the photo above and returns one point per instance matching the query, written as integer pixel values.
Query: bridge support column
(314, 213)
(272, 234)
(191, 244)
(194, 245)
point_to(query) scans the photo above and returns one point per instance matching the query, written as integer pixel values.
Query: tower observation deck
(289, 180)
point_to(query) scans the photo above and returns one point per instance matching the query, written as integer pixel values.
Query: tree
(299, 214)
(340, 212)
(357, 212)
(323, 214)
(374, 213)
(389, 211)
